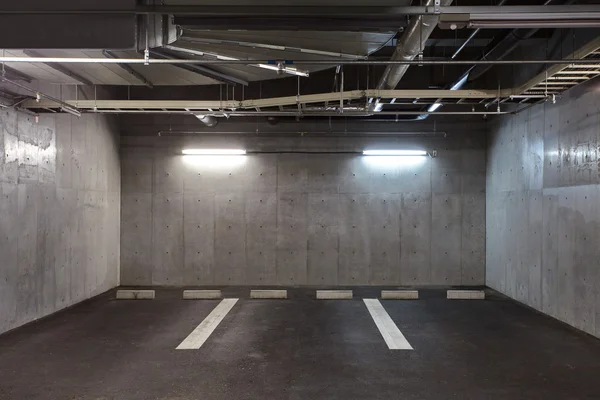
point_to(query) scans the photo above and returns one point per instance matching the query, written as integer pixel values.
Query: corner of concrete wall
(543, 217)
(59, 212)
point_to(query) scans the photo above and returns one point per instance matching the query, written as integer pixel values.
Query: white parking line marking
(197, 338)
(388, 329)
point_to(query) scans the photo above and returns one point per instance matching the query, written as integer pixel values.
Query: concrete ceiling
(356, 43)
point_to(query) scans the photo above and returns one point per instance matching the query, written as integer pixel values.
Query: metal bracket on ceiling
(436, 7)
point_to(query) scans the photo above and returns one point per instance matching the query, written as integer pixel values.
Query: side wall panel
(542, 217)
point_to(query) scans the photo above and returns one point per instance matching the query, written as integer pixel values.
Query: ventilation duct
(208, 120)
(410, 45)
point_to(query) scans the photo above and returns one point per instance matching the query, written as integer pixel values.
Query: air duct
(208, 120)
(410, 45)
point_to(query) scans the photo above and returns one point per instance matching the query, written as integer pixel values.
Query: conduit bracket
(436, 7)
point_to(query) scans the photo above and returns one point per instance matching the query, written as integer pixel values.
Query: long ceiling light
(214, 152)
(283, 69)
(278, 68)
(395, 152)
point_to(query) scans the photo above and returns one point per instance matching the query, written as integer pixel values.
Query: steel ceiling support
(71, 109)
(16, 75)
(60, 68)
(498, 51)
(581, 53)
(292, 24)
(198, 69)
(508, 44)
(129, 69)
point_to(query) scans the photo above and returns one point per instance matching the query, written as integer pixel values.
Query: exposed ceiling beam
(194, 39)
(60, 68)
(293, 24)
(201, 70)
(129, 69)
(16, 75)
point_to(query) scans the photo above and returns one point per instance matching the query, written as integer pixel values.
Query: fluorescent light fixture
(214, 152)
(378, 106)
(285, 70)
(71, 111)
(394, 153)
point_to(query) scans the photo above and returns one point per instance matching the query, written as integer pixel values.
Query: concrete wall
(302, 219)
(59, 213)
(543, 213)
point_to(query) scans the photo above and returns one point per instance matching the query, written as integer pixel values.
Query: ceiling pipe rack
(331, 97)
(330, 134)
(228, 114)
(65, 107)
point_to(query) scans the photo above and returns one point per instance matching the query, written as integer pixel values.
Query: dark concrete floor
(298, 349)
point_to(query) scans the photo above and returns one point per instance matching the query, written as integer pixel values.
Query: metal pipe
(475, 33)
(41, 60)
(522, 11)
(553, 24)
(457, 52)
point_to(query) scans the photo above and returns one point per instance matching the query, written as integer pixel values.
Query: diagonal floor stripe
(388, 329)
(199, 335)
